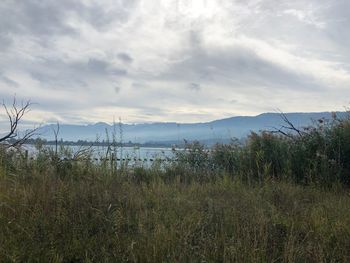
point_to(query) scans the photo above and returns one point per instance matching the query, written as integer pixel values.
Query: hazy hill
(219, 130)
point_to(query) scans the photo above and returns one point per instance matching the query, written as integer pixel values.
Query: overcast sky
(84, 61)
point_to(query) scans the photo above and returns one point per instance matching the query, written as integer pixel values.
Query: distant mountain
(214, 131)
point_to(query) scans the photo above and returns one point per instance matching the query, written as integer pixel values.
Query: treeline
(103, 143)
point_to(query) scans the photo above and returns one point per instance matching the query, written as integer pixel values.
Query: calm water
(142, 155)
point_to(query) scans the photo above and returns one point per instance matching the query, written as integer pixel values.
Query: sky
(85, 61)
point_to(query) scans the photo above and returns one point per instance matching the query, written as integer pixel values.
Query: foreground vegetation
(279, 197)
(91, 217)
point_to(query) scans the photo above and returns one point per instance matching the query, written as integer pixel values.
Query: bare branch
(27, 135)
(290, 124)
(283, 130)
(15, 115)
(280, 131)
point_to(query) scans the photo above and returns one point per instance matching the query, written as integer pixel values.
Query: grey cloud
(119, 71)
(139, 85)
(97, 66)
(42, 77)
(55, 104)
(150, 111)
(101, 17)
(126, 58)
(8, 81)
(49, 18)
(5, 42)
(237, 66)
(86, 50)
(117, 89)
(337, 17)
(194, 87)
(36, 17)
(227, 101)
(68, 75)
(59, 80)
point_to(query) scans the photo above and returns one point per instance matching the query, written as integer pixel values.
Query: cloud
(125, 57)
(175, 60)
(36, 17)
(117, 89)
(194, 87)
(8, 81)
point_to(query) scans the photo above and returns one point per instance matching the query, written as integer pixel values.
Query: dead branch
(280, 131)
(290, 126)
(15, 114)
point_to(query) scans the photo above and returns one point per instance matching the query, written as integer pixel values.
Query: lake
(134, 155)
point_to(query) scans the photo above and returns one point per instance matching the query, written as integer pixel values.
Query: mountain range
(210, 132)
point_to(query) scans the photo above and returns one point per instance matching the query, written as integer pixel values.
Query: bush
(319, 154)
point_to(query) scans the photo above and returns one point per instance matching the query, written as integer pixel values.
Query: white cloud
(174, 60)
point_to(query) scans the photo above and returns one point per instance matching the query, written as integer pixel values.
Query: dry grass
(101, 218)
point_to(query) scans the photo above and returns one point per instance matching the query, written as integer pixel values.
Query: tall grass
(319, 154)
(91, 217)
(273, 199)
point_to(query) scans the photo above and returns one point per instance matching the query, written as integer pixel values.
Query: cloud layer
(85, 61)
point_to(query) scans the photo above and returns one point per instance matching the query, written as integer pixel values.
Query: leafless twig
(290, 126)
(15, 114)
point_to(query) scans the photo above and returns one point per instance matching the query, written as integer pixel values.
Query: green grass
(94, 217)
(273, 199)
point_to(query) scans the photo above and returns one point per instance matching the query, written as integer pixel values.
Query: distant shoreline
(103, 144)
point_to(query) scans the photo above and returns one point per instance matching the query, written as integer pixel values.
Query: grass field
(98, 218)
(273, 199)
